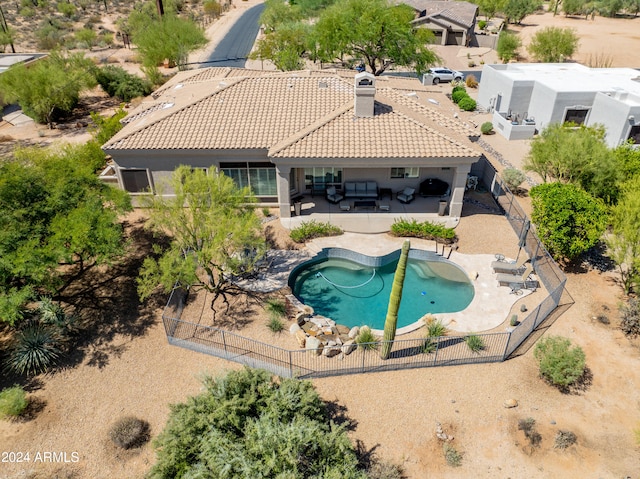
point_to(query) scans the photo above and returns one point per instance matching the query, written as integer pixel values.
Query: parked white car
(442, 74)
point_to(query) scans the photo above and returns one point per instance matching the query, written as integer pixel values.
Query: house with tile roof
(287, 134)
(452, 22)
(528, 97)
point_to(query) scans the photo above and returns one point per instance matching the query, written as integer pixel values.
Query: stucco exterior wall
(608, 110)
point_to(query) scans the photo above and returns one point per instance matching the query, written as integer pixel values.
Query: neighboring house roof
(306, 114)
(442, 11)
(9, 59)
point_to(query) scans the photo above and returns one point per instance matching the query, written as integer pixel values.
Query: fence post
(364, 353)
(290, 365)
(506, 346)
(435, 357)
(224, 343)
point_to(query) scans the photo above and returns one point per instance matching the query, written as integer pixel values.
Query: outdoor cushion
(408, 191)
(331, 190)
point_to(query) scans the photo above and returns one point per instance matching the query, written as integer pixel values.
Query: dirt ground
(124, 366)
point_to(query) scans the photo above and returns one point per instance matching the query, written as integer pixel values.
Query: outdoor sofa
(361, 189)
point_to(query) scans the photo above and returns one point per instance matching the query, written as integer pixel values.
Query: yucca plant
(53, 314)
(35, 349)
(391, 322)
(435, 328)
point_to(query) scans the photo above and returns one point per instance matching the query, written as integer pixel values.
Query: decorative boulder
(509, 403)
(342, 329)
(314, 344)
(331, 351)
(349, 347)
(353, 332)
(294, 328)
(301, 337)
(301, 318)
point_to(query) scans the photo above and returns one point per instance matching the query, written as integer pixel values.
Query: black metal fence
(405, 353)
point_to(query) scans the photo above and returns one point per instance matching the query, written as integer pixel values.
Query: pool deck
(490, 307)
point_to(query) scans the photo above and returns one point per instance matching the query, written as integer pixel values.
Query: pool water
(354, 295)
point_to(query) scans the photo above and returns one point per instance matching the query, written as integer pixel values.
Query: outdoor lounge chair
(509, 267)
(406, 195)
(333, 196)
(513, 280)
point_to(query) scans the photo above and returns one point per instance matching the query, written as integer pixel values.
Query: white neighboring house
(527, 97)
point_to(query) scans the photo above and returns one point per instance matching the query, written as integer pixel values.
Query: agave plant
(35, 349)
(51, 313)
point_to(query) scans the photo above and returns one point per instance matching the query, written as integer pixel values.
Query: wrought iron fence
(405, 353)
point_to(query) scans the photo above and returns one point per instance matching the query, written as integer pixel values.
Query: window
(413, 172)
(319, 178)
(575, 115)
(634, 134)
(136, 181)
(260, 177)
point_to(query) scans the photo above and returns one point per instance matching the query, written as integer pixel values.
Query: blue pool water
(355, 295)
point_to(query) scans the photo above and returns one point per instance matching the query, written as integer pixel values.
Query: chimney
(365, 92)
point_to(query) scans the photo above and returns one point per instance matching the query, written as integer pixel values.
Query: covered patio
(369, 219)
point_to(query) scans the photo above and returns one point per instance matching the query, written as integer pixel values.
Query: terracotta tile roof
(307, 114)
(388, 134)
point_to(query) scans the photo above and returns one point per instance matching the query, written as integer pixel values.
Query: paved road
(234, 48)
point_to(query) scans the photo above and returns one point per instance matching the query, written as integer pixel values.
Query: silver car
(441, 74)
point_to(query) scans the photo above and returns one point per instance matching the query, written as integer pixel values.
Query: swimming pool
(354, 289)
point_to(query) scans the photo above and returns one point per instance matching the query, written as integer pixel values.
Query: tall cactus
(391, 322)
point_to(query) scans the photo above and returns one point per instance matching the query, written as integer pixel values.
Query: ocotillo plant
(391, 322)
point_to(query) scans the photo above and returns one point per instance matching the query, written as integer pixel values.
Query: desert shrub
(458, 95)
(366, 339)
(385, 470)
(265, 212)
(116, 81)
(86, 35)
(564, 439)
(630, 317)
(486, 128)
(275, 325)
(471, 64)
(212, 8)
(474, 342)
(429, 345)
(276, 308)
(129, 432)
(67, 9)
(435, 328)
(514, 320)
(471, 81)
(425, 230)
(528, 426)
(13, 402)
(451, 455)
(482, 24)
(313, 229)
(513, 178)
(560, 363)
(27, 12)
(35, 349)
(523, 308)
(467, 104)
(49, 37)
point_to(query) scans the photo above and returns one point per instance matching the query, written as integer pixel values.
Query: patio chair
(523, 281)
(509, 267)
(333, 196)
(406, 196)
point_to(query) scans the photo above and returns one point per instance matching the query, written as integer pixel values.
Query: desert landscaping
(123, 365)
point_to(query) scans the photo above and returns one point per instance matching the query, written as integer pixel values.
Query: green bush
(459, 95)
(482, 24)
(116, 81)
(129, 432)
(514, 320)
(13, 402)
(275, 325)
(467, 104)
(560, 363)
(276, 308)
(474, 342)
(486, 128)
(435, 328)
(425, 230)
(67, 9)
(313, 229)
(458, 87)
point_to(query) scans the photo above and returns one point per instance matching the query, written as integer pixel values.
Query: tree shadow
(105, 300)
(338, 414)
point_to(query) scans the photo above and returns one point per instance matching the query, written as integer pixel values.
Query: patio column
(284, 198)
(457, 190)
